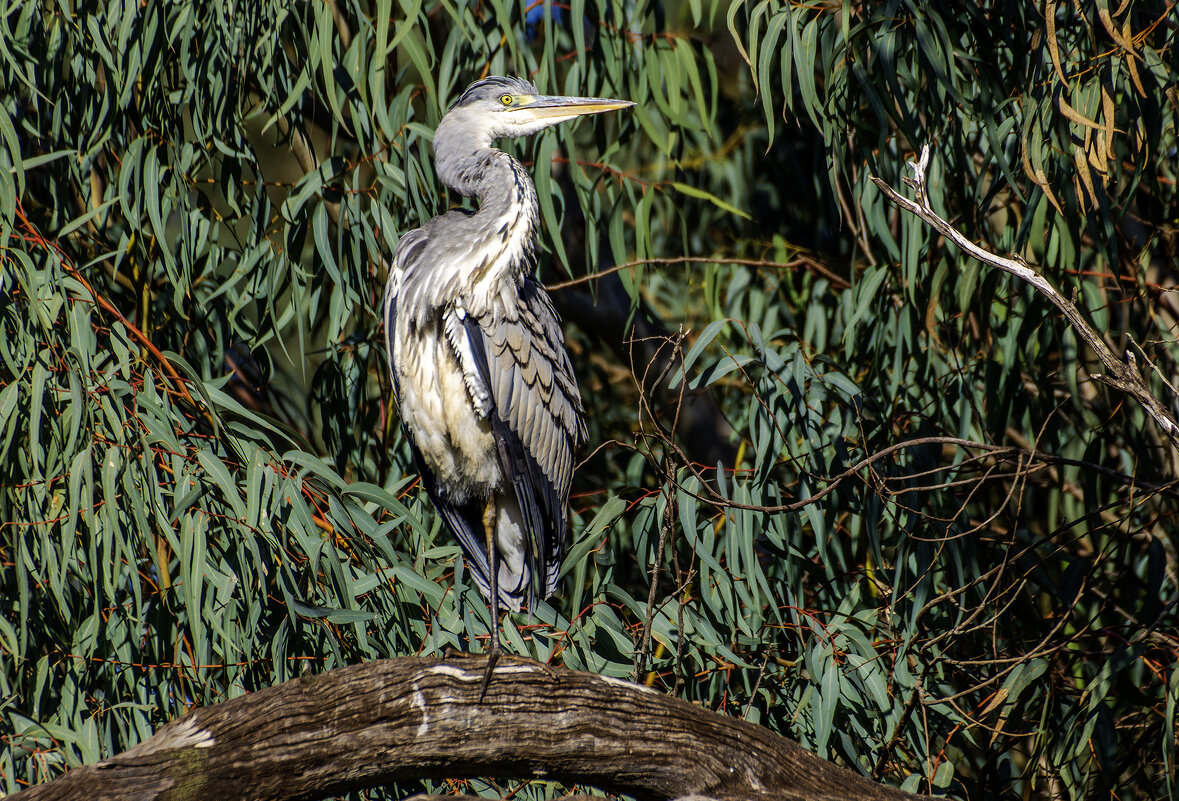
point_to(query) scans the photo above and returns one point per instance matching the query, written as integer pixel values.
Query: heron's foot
(493, 656)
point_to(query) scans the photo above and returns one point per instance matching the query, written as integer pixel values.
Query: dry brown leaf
(1098, 158)
(1128, 35)
(1133, 68)
(931, 320)
(1114, 33)
(999, 697)
(1108, 111)
(1046, 188)
(1074, 115)
(1131, 58)
(1026, 162)
(1083, 173)
(1037, 176)
(1053, 47)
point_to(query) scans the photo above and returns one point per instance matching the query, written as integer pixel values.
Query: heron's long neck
(507, 206)
(491, 176)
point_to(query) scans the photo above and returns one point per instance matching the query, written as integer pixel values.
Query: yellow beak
(546, 106)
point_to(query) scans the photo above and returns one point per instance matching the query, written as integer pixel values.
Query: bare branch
(1121, 375)
(400, 719)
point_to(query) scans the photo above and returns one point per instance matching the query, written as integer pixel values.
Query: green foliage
(204, 492)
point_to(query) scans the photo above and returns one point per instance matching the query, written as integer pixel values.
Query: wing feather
(536, 419)
(409, 248)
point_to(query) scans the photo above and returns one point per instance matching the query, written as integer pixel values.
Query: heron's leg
(489, 515)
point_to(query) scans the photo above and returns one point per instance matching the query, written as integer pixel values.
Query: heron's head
(499, 107)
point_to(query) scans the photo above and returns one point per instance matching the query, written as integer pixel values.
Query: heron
(483, 383)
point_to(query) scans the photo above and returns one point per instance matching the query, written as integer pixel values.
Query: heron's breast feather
(455, 441)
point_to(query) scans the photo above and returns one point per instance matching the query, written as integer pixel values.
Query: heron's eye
(505, 99)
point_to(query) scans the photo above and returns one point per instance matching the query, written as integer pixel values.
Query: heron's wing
(536, 418)
(409, 248)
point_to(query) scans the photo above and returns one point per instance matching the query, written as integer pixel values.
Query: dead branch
(1122, 374)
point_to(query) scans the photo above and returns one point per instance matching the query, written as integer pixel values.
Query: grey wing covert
(538, 419)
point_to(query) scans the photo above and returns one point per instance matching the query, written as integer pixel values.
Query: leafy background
(842, 481)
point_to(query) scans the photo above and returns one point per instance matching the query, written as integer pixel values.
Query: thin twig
(886, 752)
(664, 530)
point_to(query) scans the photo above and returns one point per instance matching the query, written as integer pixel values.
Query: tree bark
(409, 718)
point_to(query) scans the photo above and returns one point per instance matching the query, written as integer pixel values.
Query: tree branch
(400, 719)
(1122, 374)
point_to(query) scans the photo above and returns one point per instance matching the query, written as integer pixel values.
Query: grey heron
(487, 396)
